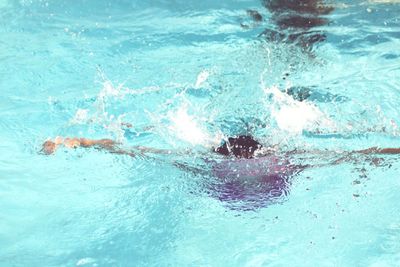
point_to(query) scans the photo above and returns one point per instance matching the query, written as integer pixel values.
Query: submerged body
(253, 183)
(255, 167)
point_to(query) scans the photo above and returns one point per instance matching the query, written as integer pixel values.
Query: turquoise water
(186, 74)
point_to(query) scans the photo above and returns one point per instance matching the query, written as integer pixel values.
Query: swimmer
(248, 175)
(240, 147)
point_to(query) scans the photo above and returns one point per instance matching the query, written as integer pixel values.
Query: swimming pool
(185, 74)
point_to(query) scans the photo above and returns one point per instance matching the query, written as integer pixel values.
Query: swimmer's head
(243, 146)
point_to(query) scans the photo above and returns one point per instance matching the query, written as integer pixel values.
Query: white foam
(114, 126)
(85, 261)
(201, 78)
(189, 128)
(293, 116)
(110, 90)
(98, 113)
(186, 127)
(81, 116)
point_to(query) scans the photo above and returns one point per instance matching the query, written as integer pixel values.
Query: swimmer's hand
(50, 146)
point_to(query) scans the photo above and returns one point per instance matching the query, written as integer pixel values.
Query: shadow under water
(294, 21)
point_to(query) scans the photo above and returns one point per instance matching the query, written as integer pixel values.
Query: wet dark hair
(242, 146)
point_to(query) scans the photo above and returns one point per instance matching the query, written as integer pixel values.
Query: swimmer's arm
(338, 157)
(379, 151)
(372, 151)
(50, 146)
(368, 151)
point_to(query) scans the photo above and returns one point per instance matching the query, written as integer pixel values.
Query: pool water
(185, 75)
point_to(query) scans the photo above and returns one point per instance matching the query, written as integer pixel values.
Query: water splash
(294, 116)
(80, 117)
(170, 120)
(290, 115)
(188, 128)
(201, 78)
